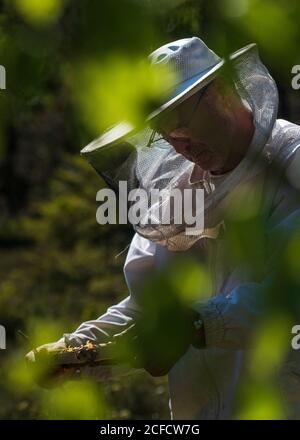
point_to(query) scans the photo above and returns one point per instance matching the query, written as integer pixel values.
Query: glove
(47, 373)
(53, 363)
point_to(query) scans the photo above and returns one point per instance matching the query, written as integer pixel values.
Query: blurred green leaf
(271, 344)
(119, 89)
(262, 402)
(75, 401)
(40, 12)
(190, 280)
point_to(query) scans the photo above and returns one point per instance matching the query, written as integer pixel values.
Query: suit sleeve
(118, 317)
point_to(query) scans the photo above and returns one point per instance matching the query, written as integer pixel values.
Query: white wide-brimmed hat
(194, 66)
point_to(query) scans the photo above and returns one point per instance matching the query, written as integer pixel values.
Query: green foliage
(96, 80)
(75, 401)
(37, 12)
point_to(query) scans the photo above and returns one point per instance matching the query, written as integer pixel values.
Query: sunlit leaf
(40, 12)
(190, 280)
(74, 401)
(42, 331)
(262, 402)
(119, 89)
(270, 345)
(19, 377)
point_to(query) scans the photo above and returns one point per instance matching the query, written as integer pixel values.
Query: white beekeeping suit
(203, 382)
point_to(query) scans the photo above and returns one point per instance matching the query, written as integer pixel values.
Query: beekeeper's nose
(181, 144)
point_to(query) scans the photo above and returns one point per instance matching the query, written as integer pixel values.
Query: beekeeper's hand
(52, 346)
(45, 373)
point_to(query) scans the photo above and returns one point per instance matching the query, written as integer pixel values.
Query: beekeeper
(218, 134)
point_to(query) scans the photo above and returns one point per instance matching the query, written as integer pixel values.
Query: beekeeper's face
(211, 128)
